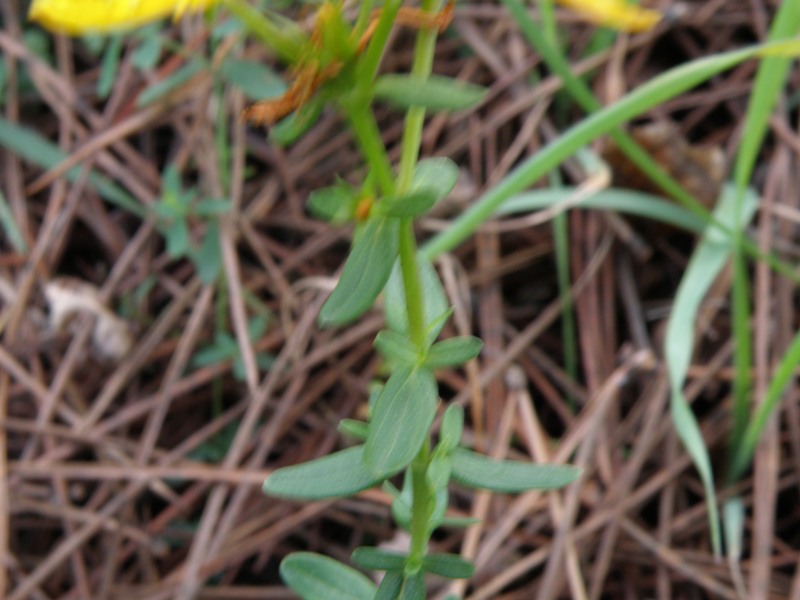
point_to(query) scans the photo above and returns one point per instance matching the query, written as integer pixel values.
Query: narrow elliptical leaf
(317, 577)
(453, 352)
(339, 474)
(435, 93)
(478, 471)
(365, 272)
(451, 566)
(401, 419)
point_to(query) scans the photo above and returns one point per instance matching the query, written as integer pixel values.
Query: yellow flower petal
(616, 14)
(102, 16)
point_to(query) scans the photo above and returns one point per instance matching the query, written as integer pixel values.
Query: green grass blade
(709, 258)
(580, 91)
(742, 345)
(40, 151)
(769, 84)
(10, 227)
(784, 374)
(631, 202)
(656, 91)
(569, 334)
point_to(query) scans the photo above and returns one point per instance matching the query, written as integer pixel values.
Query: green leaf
(10, 228)
(451, 566)
(453, 352)
(375, 389)
(619, 200)
(768, 88)
(432, 180)
(438, 174)
(439, 470)
(254, 78)
(177, 238)
(208, 259)
(708, 259)
(391, 586)
(355, 429)
(398, 347)
(414, 587)
(436, 305)
(257, 326)
(147, 53)
(401, 418)
(413, 204)
(38, 150)
(452, 427)
(783, 375)
(223, 348)
(376, 559)
(365, 272)
(478, 471)
(109, 66)
(335, 204)
(212, 207)
(339, 474)
(317, 577)
(434, 93)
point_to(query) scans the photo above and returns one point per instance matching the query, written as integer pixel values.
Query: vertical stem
(372, 56)
(415, 117)
(420, 505)
(368, 137)
(412, 136)
(415, 301)
(423, 494)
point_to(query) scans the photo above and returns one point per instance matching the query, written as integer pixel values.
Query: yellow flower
(103, 16)
(616, 14)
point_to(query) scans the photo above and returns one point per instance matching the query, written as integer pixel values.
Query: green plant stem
(420, 506)
(368, 138)
(415, 117)
(364, 15)
(568, 333)
(415, 303)
(412, 136)
(368, 67)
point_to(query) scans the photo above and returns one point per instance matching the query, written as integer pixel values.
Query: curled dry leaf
(67, 297)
